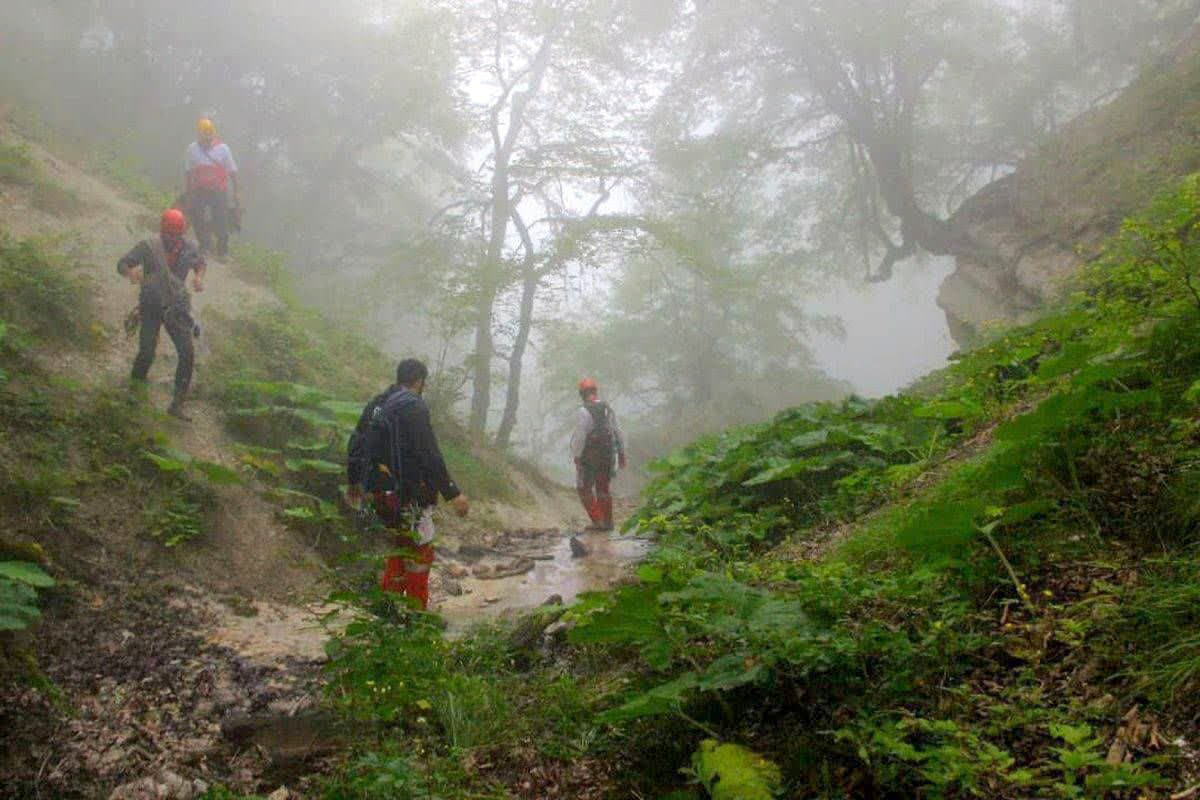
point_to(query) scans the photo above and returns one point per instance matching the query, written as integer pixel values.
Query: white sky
(895, 332)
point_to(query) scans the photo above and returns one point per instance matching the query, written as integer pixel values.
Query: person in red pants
(394, 457)
(598, 448)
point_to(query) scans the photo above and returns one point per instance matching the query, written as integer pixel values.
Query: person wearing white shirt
(598, 448)
(211, 173)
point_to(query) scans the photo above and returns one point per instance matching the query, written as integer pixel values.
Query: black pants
(178, 323)
(209, 210)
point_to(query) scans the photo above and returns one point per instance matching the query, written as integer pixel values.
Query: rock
(285, 738)
(457, 571)
(281, 793)
(452, 587)
(518, 566)
(579, 549)
(556, 634)
(528, 632)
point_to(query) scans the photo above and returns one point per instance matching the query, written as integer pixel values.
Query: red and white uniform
(209, 168)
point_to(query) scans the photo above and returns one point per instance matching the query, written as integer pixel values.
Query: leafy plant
(19, 582)
(175, 520)
(45, 294)
(731, 772)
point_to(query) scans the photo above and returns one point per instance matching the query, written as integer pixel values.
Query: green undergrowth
(18, 167)
(985, 589)
(292, 384)
(76, 463)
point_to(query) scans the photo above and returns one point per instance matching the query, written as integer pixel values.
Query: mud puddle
(521, 569)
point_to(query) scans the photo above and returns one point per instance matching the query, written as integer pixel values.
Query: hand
(134, 274)
(197, 283)
(621, 463)
(354, 496)
(461, 505)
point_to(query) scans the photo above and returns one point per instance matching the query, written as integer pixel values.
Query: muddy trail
(153, 660)
(161, 689)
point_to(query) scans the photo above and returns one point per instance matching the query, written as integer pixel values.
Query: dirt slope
(248, 550)
(152, 649)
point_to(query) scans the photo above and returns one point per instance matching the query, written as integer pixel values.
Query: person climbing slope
(393, 455)
(211, 172)
(597, 446)
(160, 266)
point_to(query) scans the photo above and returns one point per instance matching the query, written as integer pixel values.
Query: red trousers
(592, 483)
(409, 574)
(405, 573)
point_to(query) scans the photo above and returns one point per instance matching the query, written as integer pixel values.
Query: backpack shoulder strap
(158, 253)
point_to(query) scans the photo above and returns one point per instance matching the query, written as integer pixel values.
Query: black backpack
(600, 447)
(363, 449)
(383, 465)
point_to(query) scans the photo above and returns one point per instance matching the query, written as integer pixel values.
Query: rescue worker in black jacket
(394, 457)
(160, 266)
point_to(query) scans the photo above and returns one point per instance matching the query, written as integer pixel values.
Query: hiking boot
(176, 410)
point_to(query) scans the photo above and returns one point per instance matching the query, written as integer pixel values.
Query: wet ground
(522, 568)
(148, 671)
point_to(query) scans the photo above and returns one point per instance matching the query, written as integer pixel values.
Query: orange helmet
(173, 222)
(588, 385)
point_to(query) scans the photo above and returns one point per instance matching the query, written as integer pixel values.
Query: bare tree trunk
(485, 346)
(513, 399)
(502, 149)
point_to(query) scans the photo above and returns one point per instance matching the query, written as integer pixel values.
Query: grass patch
(17, 165)
(44, 294)
(264, 267)
(56, 200)
(128, 174)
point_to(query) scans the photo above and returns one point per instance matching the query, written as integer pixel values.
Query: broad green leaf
(25, 572)
(630, 617)
(731, 671)
(947, 409)
(345, 412)
(663, 699)
(217, 474)
(313, 465)
(17, 618)
(1192, 395)
(782, 472)
(308, 447)
(731, 772)
(168, 463)
(809, 441)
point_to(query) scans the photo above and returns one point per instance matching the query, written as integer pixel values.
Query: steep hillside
(183, 568)
(985, 588)
(1050, 216)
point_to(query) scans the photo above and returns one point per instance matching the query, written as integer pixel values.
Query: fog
(717, 209)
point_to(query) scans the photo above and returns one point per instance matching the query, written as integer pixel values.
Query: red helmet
(174, 222)
(588, 385)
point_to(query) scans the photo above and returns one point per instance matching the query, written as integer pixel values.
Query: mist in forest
(718, 209)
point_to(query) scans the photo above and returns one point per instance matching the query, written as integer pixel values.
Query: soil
(148, 652)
